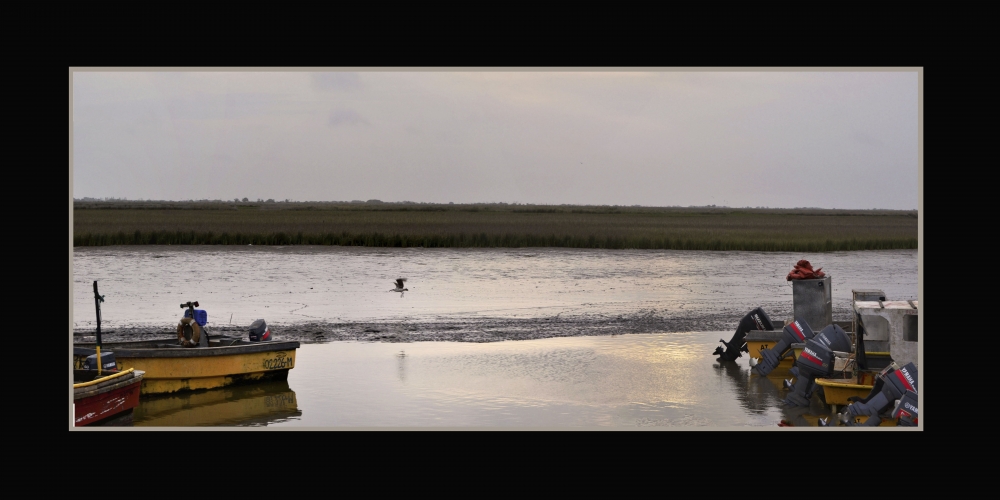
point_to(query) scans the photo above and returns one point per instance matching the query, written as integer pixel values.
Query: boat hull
(106, 402)
(838, 391)
(170, 369)
(888, 422)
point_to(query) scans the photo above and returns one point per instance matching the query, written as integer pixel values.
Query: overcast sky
(656, 138)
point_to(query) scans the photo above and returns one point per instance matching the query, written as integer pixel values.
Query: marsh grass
(489, 225)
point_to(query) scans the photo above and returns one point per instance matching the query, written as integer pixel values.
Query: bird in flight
(399, 287)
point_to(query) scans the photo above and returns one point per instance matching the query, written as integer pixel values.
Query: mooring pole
(97, 303)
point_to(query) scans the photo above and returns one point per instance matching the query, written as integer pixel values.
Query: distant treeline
(375, 224)
(380, 206)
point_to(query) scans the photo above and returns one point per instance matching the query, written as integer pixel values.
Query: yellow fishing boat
(194, 360)
(170, 367)
(837, 391)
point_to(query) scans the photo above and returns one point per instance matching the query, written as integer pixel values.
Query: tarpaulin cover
(804, 271)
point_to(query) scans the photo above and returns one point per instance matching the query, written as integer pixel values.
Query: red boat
(107, 399)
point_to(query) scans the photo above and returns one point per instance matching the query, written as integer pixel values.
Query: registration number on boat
(280, 360)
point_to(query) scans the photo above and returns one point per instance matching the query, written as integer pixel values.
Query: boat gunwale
(107, 386)
(826, 382)
(123, 351)
(763, 336)
(111, 375)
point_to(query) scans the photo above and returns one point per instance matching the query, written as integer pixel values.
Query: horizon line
(410, 202)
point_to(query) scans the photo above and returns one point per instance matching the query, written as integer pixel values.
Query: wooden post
(97, 303)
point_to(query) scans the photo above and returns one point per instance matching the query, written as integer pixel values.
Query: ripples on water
(659, 381)
(145, 285)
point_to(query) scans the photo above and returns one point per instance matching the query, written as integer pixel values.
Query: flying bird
(399, 287)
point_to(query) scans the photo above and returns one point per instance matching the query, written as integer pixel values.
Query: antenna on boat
(97, 303)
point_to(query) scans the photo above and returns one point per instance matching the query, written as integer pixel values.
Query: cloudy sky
(828, 139)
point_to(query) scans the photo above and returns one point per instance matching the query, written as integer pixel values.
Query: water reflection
(760, 394)
(751, 394)
(246, 405)
(642, 380)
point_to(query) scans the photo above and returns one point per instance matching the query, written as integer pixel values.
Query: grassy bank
(489, 225)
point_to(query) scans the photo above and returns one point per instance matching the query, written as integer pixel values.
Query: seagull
(399, 287)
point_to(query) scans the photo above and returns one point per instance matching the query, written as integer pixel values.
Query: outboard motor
(754, 320)
(905, 411)
(108, 362)
(890, 385)
(817, 360)
(259, 331)
(795, 332)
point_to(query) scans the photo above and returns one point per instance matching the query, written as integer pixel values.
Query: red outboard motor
(259, 331)
(816, 361)
(890, 385)
(905, 411)
(797, 331)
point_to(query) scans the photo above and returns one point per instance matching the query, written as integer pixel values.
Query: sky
(780, 139)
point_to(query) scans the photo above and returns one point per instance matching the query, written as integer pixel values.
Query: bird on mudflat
(399, 287)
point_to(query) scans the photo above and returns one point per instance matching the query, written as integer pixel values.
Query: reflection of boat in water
(241, 405)
(751, 394)
(759, 394)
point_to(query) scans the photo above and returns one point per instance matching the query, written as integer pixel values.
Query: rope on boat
(102, 379)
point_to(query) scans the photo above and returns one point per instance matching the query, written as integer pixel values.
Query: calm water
(660, 380)
(627, 381)
(143, 286)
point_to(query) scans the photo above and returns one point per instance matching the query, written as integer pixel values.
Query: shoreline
(490, 226)
(479, 330)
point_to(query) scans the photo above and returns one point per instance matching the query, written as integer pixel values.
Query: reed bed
(510, 226)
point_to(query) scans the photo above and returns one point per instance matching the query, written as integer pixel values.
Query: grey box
(867, 294)
(812, 301)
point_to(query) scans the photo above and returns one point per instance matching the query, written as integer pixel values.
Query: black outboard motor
(795, 332)
(108, 362)
(890, 385)
(817, 360)
(259, 332)
(905, 411)
(754, 320)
